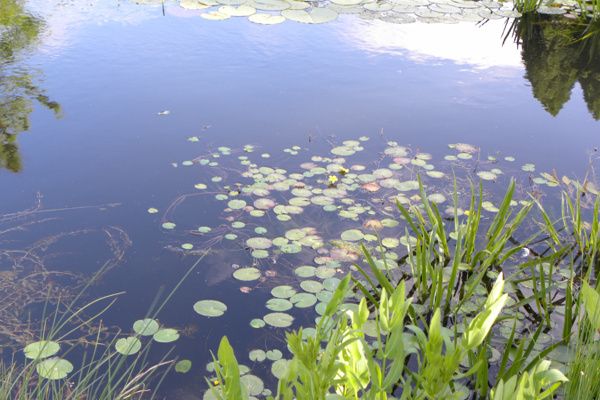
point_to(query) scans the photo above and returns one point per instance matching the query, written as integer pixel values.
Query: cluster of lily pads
(270, 12)
(52, 367)
(357, 200)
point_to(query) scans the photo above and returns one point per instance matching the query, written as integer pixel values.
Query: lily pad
(41, 349)
(315, 16)
(266, 19)
(279, 319)
(54, 368)
(128, 346)
(166, 335)
(259, 243)
(145, 327)
(210, 308)
(247, 274)
(183, 366)
(169, 225)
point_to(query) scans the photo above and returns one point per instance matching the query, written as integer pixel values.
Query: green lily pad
(303, 300)
(279, 368)
(283, 291)
(169, 225)
(128, 346)
(41, 349)
(257, 323)
(183, 366)
(145, 327)
(236, 204)
(247, 274)
(311, 286)
(352, 235)
(54, 368)
(166, 335)
(259, 243)
(305, 271)
(279, 319)
(254, 385)
(487, 175)
(210, 308)
(257, 355)
(277, 304)
(274, 354)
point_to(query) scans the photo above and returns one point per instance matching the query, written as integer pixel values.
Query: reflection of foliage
(557, 53)
(26, 279)
(18, 31)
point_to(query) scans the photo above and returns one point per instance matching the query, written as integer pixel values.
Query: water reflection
(557, 53)
(19, 31)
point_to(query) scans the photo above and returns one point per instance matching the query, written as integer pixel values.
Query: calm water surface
(113, 67)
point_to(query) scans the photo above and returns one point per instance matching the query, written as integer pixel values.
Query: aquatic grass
(106, 370)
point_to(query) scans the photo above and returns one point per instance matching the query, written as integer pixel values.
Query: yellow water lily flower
(332, 179)
(343, 171)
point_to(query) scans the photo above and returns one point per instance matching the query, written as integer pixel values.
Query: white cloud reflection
(479, 47)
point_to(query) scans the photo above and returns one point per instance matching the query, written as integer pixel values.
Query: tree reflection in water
(557, 53)
(19, 32)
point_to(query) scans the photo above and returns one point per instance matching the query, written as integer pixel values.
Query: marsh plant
(499, 310)
(113, 365)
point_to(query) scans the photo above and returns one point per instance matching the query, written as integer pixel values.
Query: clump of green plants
(494, 309)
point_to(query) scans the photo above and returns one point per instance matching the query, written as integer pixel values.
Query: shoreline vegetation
(437, 351)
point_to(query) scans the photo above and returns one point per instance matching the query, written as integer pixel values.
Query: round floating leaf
(254, 385)
(311, 286)
(257, 323)
(390, 243)
(259, 243)
(279, 368)
(210, 308)
(305, 271)
(236, 204)
(324, 272)
(241, 11)
(54, 368)
(277, 304)
(352, 235)
(274, 354)
(295, 234)
(204, 229)
(187, 246)
(436, 198)
(145, 327)
(166, 335)
(487, 175)
(183, 366)
(291, 248)
(435, 174)
(152, 210)
(260, 254)
(278, 319)
(169, 225)
(247, 274)
(283, 291)
(128, 346)
(41, 349)
(266, 19)
(315, 16)
(303, 300)
(257, 355)
(528, 167)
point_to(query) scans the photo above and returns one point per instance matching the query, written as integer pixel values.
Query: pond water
(127, 85)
